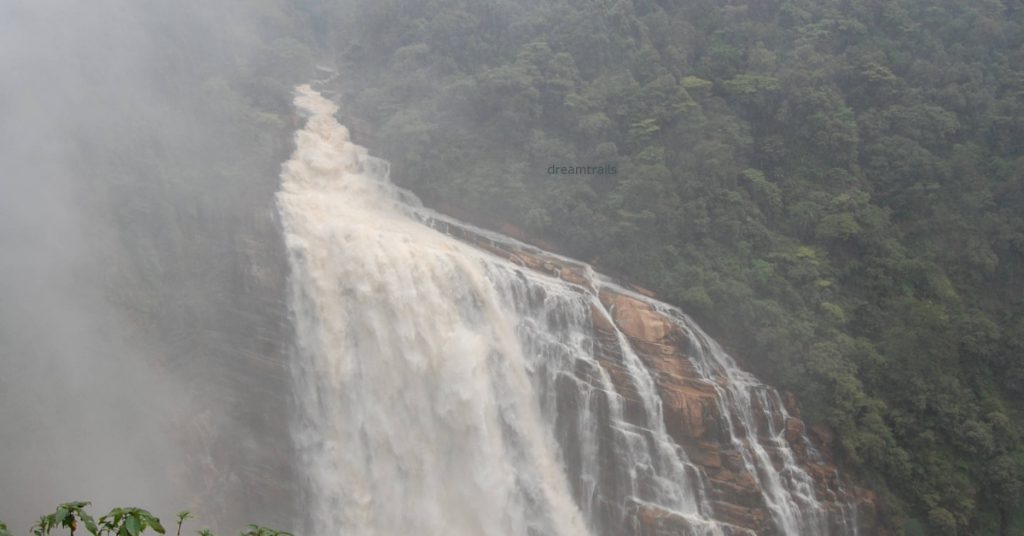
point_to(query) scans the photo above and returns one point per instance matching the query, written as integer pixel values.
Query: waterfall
(444, 388)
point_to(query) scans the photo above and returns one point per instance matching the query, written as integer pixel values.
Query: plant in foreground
(129, 522)
(119, 522)
(255, 530)
(182, 516)
(67, 516)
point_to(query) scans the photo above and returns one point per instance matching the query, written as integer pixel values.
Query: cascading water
(446, 390)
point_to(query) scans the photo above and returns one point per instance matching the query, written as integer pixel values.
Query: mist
(138, 237)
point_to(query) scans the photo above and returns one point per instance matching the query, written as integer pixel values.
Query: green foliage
(66, 516)
(182, 517)
(942, 521)
(129, 522)
(255, 530)
(692, 83)
(120, 522)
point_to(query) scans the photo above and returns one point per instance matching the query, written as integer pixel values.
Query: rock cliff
(699, 406)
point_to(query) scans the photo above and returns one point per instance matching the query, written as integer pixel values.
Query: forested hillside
(835, 188)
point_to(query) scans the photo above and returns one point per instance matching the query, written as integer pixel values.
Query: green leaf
(133, 525)
(90, 523)
(40, 527)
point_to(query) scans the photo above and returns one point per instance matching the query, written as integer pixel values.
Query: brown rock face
(693, 417)
(636, 320)
(690, 404)
(654, 521)
(692, 409)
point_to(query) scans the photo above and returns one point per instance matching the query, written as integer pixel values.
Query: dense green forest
(835, 188)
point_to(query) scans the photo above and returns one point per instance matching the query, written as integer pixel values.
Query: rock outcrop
(693, 404)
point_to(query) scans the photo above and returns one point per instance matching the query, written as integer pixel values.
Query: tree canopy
(834, 188)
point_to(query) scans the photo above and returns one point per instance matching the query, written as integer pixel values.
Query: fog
(141, 333)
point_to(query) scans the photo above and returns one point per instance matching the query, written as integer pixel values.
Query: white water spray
(419, 415)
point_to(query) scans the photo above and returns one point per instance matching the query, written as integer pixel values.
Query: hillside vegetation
(834, 188)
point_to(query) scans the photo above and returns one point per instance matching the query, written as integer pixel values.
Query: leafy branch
(129, 522)
(119, 522)
(66, 516)
(182, 516)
